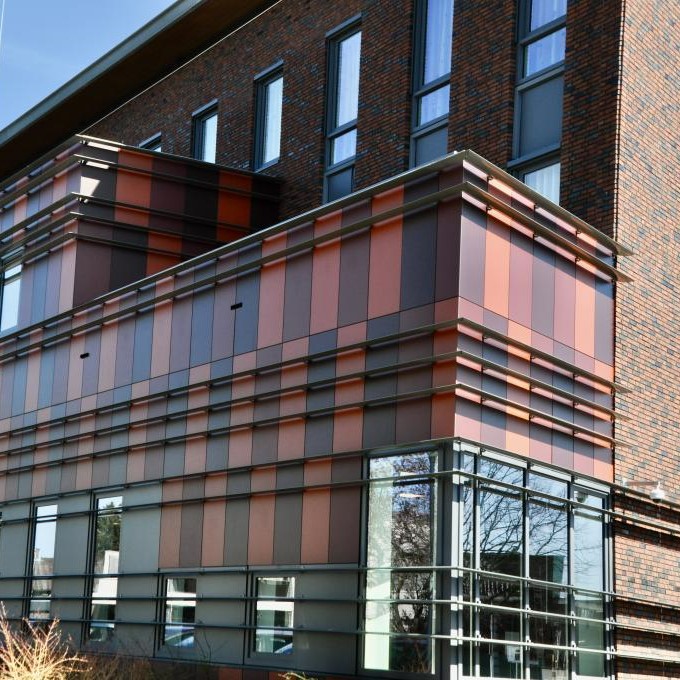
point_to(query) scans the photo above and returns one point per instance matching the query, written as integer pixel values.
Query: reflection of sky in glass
(348, 79)
(272, 130)
(438, 39)
(45, 532)
(545, 11)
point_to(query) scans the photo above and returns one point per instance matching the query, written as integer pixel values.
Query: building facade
(288, 382)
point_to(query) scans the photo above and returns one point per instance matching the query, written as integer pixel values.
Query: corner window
(152, 144)
(269, 106)
(204, 134)
(106, 568)
(11, 288)
(180, 612)
(274, 609)
(45, 529)
(432, 72)
(400, 554)
(344, 57)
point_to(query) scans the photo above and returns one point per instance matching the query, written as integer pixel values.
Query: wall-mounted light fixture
(657, 494)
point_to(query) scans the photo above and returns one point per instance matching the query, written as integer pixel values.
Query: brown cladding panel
(288, 529)
(344, 525)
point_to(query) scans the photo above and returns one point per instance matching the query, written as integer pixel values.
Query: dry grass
(39, 653)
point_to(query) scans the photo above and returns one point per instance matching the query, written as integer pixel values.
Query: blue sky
(44, 43)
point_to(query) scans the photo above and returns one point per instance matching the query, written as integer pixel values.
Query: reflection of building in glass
(288, 384)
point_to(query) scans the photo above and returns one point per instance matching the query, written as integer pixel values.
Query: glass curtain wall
(527, 569)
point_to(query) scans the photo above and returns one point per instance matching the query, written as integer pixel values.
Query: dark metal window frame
(198, 120)
(420, 88)
(5, 282)
(161, 614)
(550, 154)
(262, 82)
(152, 143)
(333, 40)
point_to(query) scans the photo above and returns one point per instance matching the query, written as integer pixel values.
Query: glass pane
(344, 147)
(272, 128)
(548, 531)
(10, 303)
(545, 52)
(501, 520)
(547, 630)
(180, 612)
(209, 139)
(43, 561)
(546, 181)
(107, 539)
(437, 39)
(347, 94)
(274, 617)
(590, 635)
(588, 544)
(499, 660)
(433, 105)
(400, 531)
(545, 11)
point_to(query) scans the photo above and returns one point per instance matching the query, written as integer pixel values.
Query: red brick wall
(648, 309)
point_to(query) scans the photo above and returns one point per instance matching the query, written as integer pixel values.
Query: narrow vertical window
(343, 109)
(204, 144)
(43, 562)
(432, 72)
(539, 94)
(11, 287)
(274, 609)
(399, 560)
(269, 106)
(180, 612)
(106, 567)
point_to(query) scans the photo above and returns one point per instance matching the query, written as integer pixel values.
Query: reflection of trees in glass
(400, 535)
(107, 536)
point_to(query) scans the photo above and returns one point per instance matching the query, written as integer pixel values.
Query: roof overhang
(179, 33)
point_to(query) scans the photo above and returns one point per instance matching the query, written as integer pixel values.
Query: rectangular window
(274, 609)
(106, 567)
(43, 562)
(204, 134)
(542, 38)
(180, 612)
(152, 144)
(11, 288)
(344, 61)
(432, 72)
(545, 180)
(400, 556)
(269, 106)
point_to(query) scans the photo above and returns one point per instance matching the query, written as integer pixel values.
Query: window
(269, 106)
(400, 555)
(533, 555)
(43, 562)
(520, 550)
(180, 612)
(11, 287)
(344, 59)
(432, 71)
(545, 180)
(106, 567)
(539, 94)
(274, 607)
(204, 134)
(152, 144)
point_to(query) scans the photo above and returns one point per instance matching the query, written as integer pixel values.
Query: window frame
(92, 599)
(185, 627)
(199, 119)
(521, 168)
(549, 154)
(262, 82)
(153, 143)
(10, 274)
(420, 88)
(290, 630)
(334, 39)
(36, 519)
